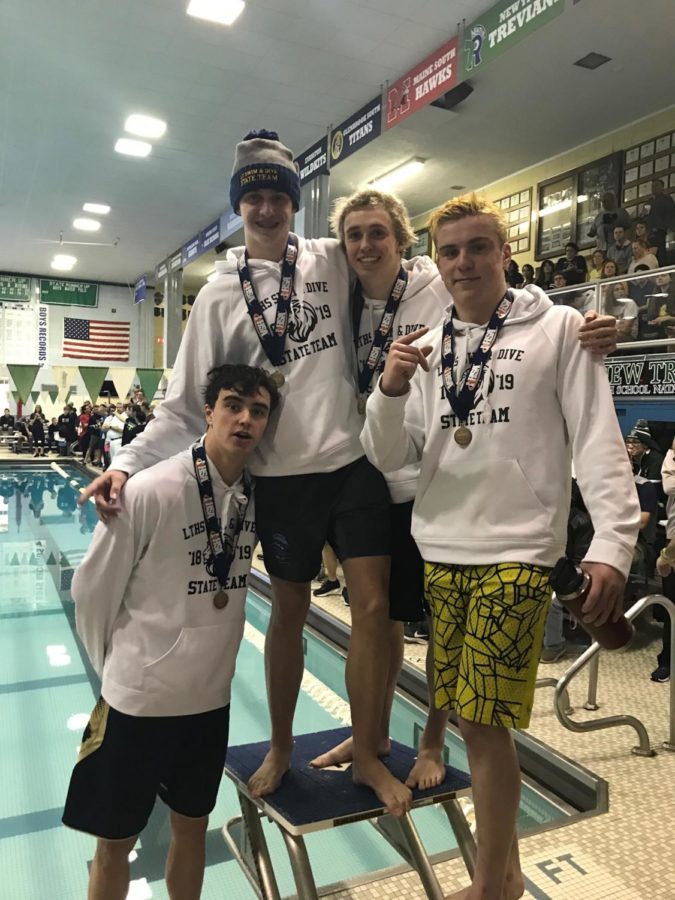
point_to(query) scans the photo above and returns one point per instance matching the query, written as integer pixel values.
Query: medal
(463, 436)
(221, 599)
(277, 379)
(361, 406)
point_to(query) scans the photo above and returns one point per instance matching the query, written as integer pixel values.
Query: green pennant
(34, 395)
(53, 395)
(24, 379)
(149, 380)
(93, 377)
(14, 560)
(51, 560)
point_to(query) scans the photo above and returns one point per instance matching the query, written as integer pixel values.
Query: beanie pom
(263, 133)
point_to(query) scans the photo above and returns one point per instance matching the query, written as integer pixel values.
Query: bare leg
(368, 675)
(344, 752)
(109, 875)
(495, 777)
(284, 665)
(429, 768)
(186, 857)
(329, 562)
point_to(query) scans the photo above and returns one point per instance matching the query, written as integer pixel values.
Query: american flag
(85, 339)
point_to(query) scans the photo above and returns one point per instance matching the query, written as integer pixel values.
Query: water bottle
(571, 585)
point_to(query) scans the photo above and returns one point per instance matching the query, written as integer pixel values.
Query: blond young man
(492, 405)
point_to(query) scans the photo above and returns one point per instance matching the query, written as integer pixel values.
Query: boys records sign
(431, 78)
(313, 162)
(356, 131)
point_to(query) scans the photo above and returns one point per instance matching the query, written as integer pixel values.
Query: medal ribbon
(223, 543)
(462, 396)
(384, 329)
(273, 340)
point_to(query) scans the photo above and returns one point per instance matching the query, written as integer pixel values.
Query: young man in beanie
(282, 302)
(159, 606)
(473, 403)
(644, 451)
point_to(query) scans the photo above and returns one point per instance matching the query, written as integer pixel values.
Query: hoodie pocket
(483, 500)
(201, 660)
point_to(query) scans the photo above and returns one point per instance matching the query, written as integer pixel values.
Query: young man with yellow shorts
(494, 403)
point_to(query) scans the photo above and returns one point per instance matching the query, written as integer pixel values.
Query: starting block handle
(269, 889)
(300, 864)
(465, 839)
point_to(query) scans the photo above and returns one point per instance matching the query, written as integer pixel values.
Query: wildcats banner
(313, 162)
(431, 78)
(642, 376)
(356, 131)
(501, 27)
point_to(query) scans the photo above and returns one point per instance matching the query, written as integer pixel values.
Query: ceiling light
(145, 126)
(211, 277)
(133, 148)
(86, 224)
(387, 181)
(592, 61)
(63, 262)
(224, 12)
(99, 209)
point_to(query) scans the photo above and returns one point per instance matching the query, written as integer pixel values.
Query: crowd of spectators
(96, 432)
(644, 306)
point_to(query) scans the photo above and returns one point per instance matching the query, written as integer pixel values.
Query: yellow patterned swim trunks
(488, 628)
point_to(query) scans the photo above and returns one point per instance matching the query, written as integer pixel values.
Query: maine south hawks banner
(313, 162)
(429, 80)
(356, 131)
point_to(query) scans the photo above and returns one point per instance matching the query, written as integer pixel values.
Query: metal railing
(561, 702)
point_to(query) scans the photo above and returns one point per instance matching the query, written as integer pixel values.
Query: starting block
(315, 799)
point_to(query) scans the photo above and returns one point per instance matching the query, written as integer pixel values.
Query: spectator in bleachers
(609, 269)
(528, 274)
(7, 421)
(659, 213)
(597, 262)
(581, 300)
(52, 435)
(134, 425)
(513, 277)
(642, 257)
(545, 275)
(642, 234)
(606, 220)
(616, 301)
(83, 427)
(37, 430)
(620, 250)
(644, 452)
(572, 260)
(660, 311)
(68, 425)
(648, 496)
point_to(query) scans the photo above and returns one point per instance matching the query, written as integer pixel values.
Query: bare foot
(395, 796)
(344, 753)
(459, 895)
(267, 778)
(514, 885)
(428, 771)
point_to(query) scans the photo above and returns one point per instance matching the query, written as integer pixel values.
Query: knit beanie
(640, 432)
(262, 161)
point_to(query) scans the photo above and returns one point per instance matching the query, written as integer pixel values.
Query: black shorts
(297, 514)
(406, 584)
(125, 762)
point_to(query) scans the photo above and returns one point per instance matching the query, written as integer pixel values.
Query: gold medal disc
(277, 379)
(463, 436)
(221, 599)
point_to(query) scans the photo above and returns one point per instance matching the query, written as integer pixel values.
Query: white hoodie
(505, 498)
(144, 599)
(422, 304)
(316, 426)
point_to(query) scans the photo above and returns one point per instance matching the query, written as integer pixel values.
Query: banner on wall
(161, 270)
(313, 162)
(68, 293)
(42, 333)
(209, 236)
(18, 330)
(149, 380)
(642, 376)
(502, 27)
(230, 222)
(356, 131)
(93, 377)
(428, 81)
(140, 290)
(14, 288)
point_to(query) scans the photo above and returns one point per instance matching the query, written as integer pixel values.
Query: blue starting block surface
(311, 799)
